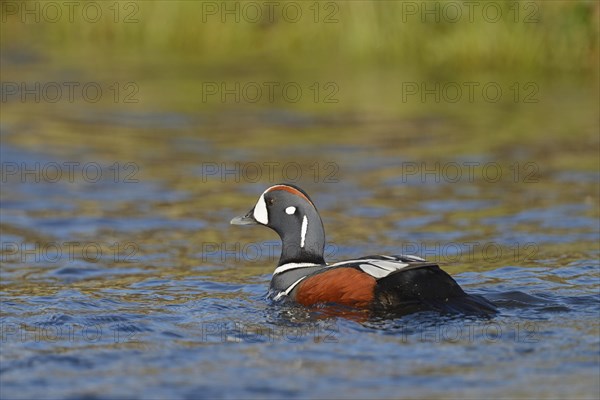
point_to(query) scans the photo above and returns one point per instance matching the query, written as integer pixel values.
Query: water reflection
(147, 277)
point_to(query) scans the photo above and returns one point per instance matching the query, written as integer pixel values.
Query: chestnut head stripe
(291, 190)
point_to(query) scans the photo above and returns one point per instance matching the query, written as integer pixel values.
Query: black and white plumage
(402, 283)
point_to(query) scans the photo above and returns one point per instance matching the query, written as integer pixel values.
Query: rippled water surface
(132, 283)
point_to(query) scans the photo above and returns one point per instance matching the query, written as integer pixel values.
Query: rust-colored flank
(346, 286)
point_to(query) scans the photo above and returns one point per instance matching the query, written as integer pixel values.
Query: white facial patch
(303, 232)
(260, 210)
(290, 210)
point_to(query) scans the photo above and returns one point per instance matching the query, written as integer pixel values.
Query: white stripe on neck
(304, 229)
(288, 266)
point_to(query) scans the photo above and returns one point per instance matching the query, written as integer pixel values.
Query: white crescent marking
(304, 229)
(260, 210)
(288, 290)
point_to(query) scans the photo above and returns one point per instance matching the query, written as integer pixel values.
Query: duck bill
(247, 219)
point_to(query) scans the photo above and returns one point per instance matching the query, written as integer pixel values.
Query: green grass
(542, 35)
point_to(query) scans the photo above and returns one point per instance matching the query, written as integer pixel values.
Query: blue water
(143, 290)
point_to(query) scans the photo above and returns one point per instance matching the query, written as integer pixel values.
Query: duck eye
(270, 201)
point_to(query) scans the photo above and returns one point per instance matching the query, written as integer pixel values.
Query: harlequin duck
(400, 283)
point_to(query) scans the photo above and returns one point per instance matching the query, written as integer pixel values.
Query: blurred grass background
(533, 35)
(169, 49)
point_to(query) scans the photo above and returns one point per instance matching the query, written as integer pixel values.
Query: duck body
(398, 283)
